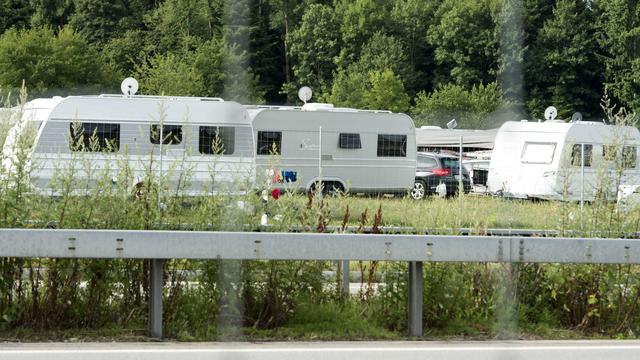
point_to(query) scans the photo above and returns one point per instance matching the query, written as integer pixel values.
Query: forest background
(479, 61)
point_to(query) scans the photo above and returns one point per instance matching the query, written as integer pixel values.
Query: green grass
(477, 212)
(102, 334)
(327, 321)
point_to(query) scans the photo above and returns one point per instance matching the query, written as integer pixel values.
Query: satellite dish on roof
(129, 86)
(550, 113)
(305, 94)
(452, 124)
(577, 116)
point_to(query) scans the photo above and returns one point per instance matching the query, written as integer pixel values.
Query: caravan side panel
(182, 164)
(525, 160)
(361, 170)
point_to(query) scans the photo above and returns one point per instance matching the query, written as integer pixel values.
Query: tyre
(332, 189)
(329, 188)
(419, 190)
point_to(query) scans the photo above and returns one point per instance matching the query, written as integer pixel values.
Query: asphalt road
(503, 350)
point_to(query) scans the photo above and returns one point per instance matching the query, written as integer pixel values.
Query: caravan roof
(582, 131)
(354, 120)
(138, 109)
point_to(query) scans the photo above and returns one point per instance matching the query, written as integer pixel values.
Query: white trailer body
(369, 152)
(544, 160)
(131, 126)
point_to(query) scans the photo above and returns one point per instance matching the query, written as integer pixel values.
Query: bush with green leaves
(49, 61)
(477, 108)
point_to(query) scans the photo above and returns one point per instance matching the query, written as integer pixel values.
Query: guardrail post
(344, 264)
(156, 285)
(415, 298)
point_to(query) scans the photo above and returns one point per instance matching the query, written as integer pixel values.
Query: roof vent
(317, 106)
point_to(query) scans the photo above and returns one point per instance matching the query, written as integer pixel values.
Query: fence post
(344, 264)
(415, 298)
(156, 285)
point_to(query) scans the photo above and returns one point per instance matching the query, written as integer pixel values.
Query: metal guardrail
(138, 244)
(415, 249)
(391, 230)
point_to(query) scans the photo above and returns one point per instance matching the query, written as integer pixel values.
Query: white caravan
(364, 151)
(108, 129)
(544, 159)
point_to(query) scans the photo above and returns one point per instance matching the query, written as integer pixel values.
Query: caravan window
(629, 155)
(217, 140)
(269, 142)
(94, 137)
(171, 134)
(538, 152)
(576, 155)
(392, 145)
(350, 141)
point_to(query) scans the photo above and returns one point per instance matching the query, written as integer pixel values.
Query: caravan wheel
(419, 190)
(329, 188)
(333, 188)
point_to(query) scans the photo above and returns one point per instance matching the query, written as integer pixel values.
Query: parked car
(435, 170)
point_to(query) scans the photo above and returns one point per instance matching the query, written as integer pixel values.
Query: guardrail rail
(159, 246)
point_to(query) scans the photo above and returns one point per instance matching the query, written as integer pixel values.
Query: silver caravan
(544, 159)
(174, 136)
(363, 151)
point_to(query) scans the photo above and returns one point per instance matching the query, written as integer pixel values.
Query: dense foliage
(404, 55)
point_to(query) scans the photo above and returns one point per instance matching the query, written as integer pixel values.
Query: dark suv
(435, 169)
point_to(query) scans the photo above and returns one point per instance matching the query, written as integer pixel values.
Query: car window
(427, 162)
(450, 163)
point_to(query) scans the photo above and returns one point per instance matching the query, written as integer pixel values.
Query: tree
(97, 20)
(470, 108)
(282, 16)
(240, 83)
(135, 12)
(358, 21)
(619, 29)
(385, 52)
(464, 41)
(267, 56)
(53, 13)
(386, 92)
(313, 48)
(51, 63)
(204, 71)
(410, 21)
(511, 35)
(178, 25)
(348, 89)
(564, 71)
(210, 61)
(170, 74)
(14, 13)
(125, 51)
(374, 90)
(382, 53)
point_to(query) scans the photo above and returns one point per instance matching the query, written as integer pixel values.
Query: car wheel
(419, 190)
